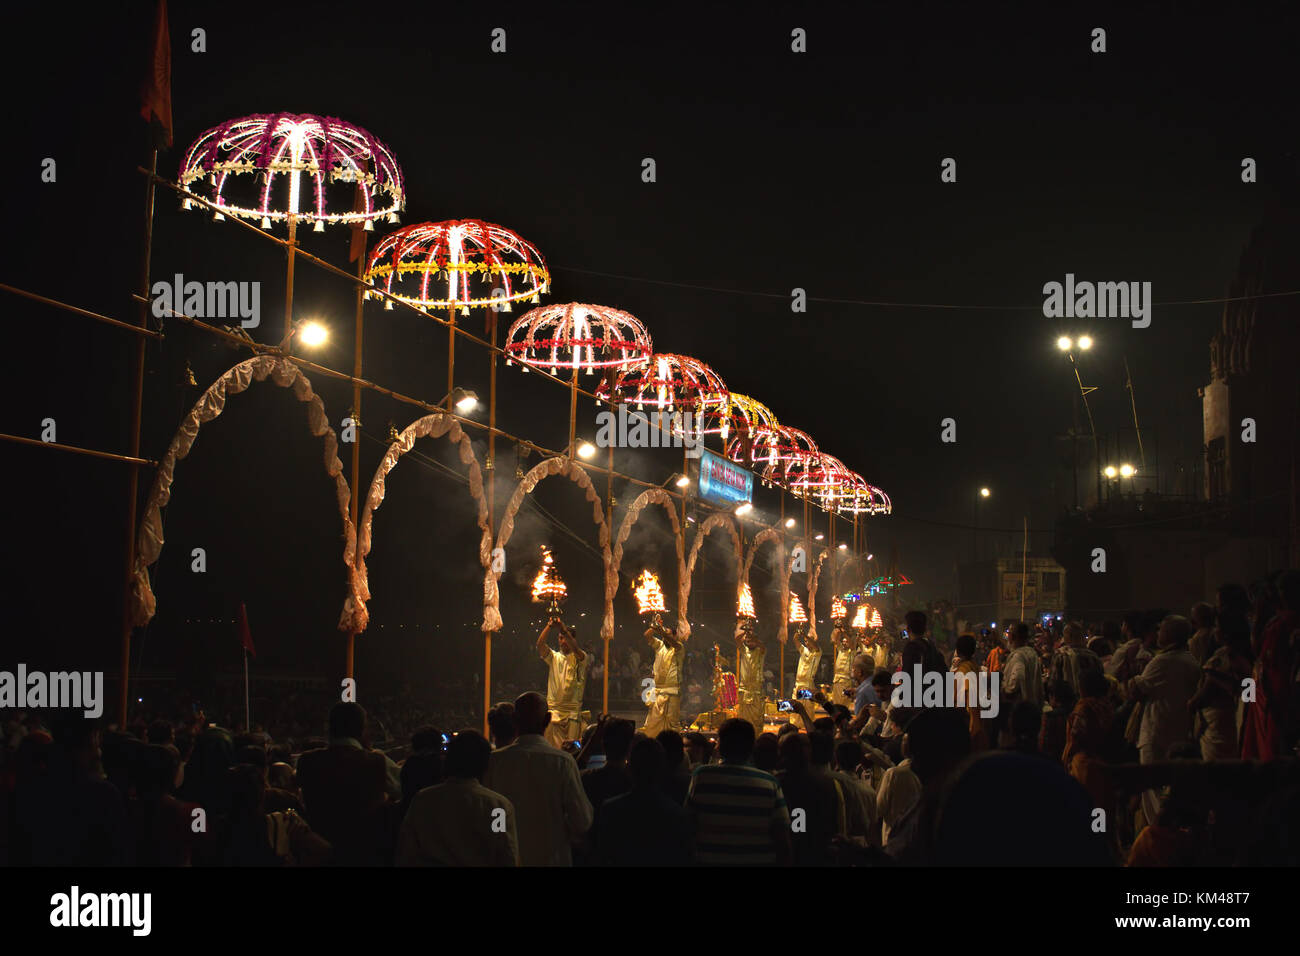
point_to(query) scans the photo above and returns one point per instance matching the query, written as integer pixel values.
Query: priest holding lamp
(566, 683)
(568, 665)
(846, 645)
(752, 655)
(670, 656)
(666, 705)
(810, 653)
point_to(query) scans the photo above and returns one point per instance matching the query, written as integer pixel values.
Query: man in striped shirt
(738, 811)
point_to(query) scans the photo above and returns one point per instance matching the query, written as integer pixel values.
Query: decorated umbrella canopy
(786, 450)
(672, 383)
(822, 478)
(285, 154)
(859, 497)
(576, 336)
(742, 419)
(441, 259)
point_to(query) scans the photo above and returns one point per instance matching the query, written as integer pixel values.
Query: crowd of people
(866, 780)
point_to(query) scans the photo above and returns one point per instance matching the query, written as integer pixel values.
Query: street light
(843, 546)
(984, 492)
(1110, 471)
(463, 399)
(818, 536)
(1066, 345)
(1127, 471)
(586, 450)
(313, 334)
(744, 509)
(789, 522)
(683, 481)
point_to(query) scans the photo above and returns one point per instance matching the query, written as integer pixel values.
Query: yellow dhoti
(837, 692)
(750, 708)
(562, 728)
(665, 712)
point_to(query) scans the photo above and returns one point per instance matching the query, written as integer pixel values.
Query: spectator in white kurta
(1164, 688)
(1022, 674)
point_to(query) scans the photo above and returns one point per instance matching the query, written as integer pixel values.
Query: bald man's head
(531, 713)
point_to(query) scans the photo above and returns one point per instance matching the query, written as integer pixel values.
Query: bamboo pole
(116, 323)
(781, 650)
(349, 669)
(288, 286)
(492, 504)
(609, 520)
(133, 472)
(1024, 562)
(107, 455)
(451, 350)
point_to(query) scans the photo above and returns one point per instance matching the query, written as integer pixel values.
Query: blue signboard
(724, 481)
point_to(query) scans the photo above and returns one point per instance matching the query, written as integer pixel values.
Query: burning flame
(746, 606)
(838, 611)
(875, 618)
(649, 596)
(797, 615)
(860, 619)
(547, 586)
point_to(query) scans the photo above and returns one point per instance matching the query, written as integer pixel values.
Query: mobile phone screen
(804, 693)
(784, 706)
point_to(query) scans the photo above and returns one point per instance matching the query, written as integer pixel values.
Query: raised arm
(658, 632)
(543, 648)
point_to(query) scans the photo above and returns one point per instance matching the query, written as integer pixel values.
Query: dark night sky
(775, 170)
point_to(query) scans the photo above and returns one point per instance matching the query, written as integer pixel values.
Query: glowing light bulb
(313, 334)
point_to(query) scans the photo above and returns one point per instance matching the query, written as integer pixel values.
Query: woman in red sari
(1267, 715)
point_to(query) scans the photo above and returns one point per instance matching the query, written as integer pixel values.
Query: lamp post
(975, 523)
(1084, 343)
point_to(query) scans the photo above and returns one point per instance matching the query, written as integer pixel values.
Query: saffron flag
(245, 636)
(156, 92)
